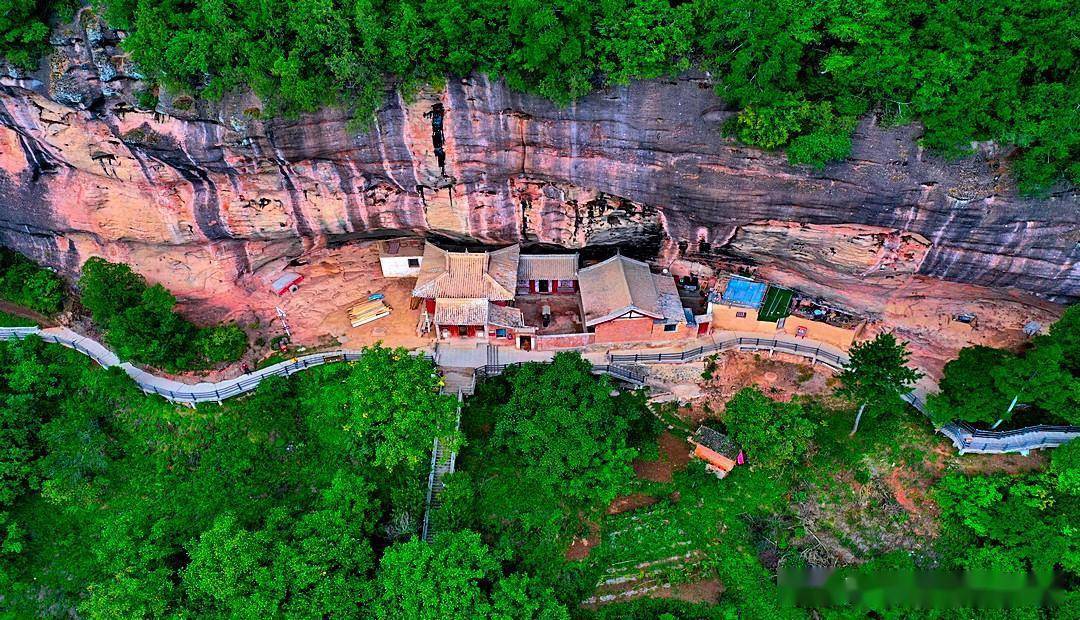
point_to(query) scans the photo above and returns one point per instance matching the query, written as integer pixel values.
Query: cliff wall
(213, 199)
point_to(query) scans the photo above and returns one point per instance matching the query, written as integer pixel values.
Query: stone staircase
(459, 381)
(442, 463)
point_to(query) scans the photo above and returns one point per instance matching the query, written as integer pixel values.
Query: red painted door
(471, 330)
(702, 329)
(429, 304)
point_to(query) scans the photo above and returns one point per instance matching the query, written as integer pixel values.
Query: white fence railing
(965, 437)
(170, 389)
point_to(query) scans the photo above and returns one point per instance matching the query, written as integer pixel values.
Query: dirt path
(26, 313)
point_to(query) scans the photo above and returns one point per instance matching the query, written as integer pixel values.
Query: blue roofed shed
(743, 292)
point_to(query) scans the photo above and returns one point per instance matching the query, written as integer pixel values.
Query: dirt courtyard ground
(333, 282)
(708, 385)
(565, 313)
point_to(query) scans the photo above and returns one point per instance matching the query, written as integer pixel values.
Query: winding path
(965, 437)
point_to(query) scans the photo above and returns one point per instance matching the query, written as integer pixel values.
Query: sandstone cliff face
(212, 199)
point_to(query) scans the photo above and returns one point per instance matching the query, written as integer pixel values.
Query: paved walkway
(170, 389)
(965, 437)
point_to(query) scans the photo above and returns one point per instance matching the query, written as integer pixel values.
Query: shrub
(141, 323)
(221, 343)
(24, 283)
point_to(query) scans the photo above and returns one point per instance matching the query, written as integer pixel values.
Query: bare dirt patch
(565, 313)
(781, 377)
(707, 591)
(580, 547)
(334, 282)
(626, 503)
(674, 456)
(1012, 464)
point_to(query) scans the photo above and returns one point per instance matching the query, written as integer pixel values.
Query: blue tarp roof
(743, 292)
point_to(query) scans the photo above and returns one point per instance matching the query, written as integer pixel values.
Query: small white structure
(401, 258)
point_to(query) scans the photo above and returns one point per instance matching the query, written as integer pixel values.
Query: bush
(107, 288)
(141, 324)
(24, 283)
(221, 343)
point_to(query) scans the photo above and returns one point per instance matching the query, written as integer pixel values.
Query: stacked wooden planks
(367, 311)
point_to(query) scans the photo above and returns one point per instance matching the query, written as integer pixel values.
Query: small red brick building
(623, 301)
(717, 450)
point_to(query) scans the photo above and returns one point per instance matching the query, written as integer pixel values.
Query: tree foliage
(968, 391)
(24, 29)
(281, 503)
(567, 433)
(385, 408)
(877, 376)
(116, 504)
(141, 323)
(1026, 521)
(26, 284)
(457, 576)
(986, 385)
(773, 434)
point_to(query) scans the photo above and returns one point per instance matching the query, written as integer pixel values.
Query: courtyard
(565, 313)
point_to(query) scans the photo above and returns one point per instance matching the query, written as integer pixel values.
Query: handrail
(822, 355)
(173, 390)
(964, 436)
(967, 438)
(626, 374)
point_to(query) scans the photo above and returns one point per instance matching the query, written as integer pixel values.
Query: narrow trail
(26, 313)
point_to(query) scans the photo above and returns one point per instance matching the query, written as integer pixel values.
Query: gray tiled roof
(461, 311)
(619, 285)
(548, 267)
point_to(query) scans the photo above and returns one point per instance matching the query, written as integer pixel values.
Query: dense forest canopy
(801, 71)
(304, 498)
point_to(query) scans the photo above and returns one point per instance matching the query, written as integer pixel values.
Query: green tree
(519, 597)
(1065, 333)
(566, 431)
(24, 30)
(1039, 378)
(221, 343)
(877, 376)
(1065, 466)
(107, 289)
(24, 283)
(438, 580)
(967, 389)
(141, 322)
(152, 332)
(1014, 520)
(316, 564)
(457, 576)
(773, 434)
(385, 408)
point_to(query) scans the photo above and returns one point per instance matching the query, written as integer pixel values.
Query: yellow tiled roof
(459, 275)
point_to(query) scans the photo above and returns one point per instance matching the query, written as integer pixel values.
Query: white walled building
(401, 258)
